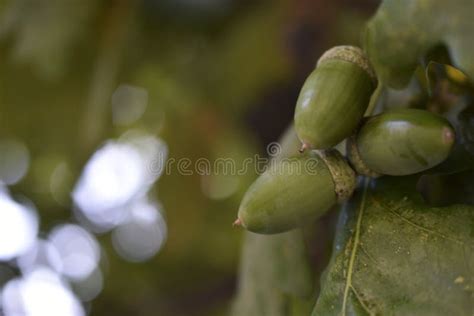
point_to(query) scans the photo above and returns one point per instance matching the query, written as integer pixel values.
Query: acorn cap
(350, 54)
(356, 161)
(342, 174)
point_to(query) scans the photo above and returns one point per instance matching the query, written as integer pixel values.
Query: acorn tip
(237, 223)
(303, 147)
(448, 135)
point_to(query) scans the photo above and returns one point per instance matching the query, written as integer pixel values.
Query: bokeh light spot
(116, 175)
(112, 177)
(14, 161)
(142, 235)
(41, 254)
(78, 250)
(39, 293)
(18, 227)
(128, 104)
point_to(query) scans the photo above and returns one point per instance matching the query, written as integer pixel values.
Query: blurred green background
(194, 78)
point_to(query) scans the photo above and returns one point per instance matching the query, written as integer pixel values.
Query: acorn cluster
(330, 109)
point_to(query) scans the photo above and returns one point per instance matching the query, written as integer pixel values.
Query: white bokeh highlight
(14, 161)
(143, 234)
(112, 177)
(18, 227)
(39, 293)
(116, 175)
(78, 250)
(41, 254)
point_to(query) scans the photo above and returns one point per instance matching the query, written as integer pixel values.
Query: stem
(106, 69)
(373, 99)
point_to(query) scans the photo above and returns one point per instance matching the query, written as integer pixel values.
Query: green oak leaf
(404, 31)
(394, 255)
(275, 276)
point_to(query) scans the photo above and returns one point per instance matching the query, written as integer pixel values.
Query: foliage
(403, 32)
(395, 253)
(276, 276)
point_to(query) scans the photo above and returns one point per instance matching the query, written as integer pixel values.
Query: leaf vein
(354, 248)
(362, 248)
(425, 229)
(420, 227)
(364, 306)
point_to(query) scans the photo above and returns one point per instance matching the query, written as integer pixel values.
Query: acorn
(334, 98)
(295, 191)
(400, 142)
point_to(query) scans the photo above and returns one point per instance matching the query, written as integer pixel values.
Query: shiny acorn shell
(334, 98)
(295, 191)
(401, 142)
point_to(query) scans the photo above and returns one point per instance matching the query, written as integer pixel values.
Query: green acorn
(400, 142)
(294, 191)
(334, 98)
